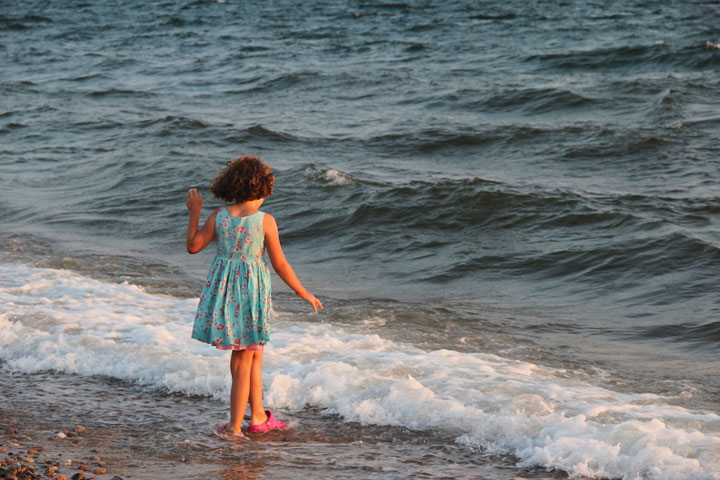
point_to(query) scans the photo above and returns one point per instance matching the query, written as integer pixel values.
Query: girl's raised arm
(281, 265)
(196, 240)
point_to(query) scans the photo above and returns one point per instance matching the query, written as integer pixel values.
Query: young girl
(235, 301)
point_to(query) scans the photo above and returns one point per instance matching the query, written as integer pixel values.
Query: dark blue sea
(509, 209)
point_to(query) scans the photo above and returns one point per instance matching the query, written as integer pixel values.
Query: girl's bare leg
(240, 368)
(258, 415)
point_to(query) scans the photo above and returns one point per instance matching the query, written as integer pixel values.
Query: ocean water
(509, 210)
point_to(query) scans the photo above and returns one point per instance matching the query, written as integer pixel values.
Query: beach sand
(54, 426)
(30, 451)
(76, 421)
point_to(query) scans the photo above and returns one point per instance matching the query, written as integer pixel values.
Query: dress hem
(253, 347)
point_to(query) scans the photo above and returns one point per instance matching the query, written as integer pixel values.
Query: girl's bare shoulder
(269, 222)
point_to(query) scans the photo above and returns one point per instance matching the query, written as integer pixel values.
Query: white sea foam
(336, 177)
(329, 176)
(54, 319)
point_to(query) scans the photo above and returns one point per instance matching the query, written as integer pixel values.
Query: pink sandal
(222, 431)
(271, 423)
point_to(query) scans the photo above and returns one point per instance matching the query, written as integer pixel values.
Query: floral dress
(235, 303)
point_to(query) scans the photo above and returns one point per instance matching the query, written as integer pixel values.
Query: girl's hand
(311, 299)
(194, 201)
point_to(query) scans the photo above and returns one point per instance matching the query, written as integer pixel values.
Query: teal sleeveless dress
(234, 308)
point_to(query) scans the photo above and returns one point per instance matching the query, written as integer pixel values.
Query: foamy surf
(59, 320)
(329, 176)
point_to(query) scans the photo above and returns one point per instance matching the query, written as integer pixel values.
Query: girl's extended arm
(196, 240)
(281, 265)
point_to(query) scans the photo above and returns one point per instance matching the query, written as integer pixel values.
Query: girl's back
(240, 238)
(235, 303)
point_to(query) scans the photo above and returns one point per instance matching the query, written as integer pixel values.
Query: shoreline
(82, 426)
(140, 434)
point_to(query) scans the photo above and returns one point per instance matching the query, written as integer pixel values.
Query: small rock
(3, 450)
(80, 429)
(68, 462)
(61, 477)
(117, 478)
(15, 444)
(99, 471)
(33, 451)
(78, 476)
(71, 434)
(9, 431)
(84, 468)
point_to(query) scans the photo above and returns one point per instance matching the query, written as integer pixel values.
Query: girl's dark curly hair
(245, 178)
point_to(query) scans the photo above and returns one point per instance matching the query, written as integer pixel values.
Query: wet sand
(134, 433)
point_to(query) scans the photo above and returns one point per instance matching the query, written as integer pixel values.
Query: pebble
(33, 451)
(68, 462)
(3, 450)
(15, 444)
(80, 429)
(117, 478)
(9, 431)
(78, 476)
(84, 468)
(61, 477)
(99, 471)
(61, 435)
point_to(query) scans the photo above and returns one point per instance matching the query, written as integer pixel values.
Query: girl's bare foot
(226, 432)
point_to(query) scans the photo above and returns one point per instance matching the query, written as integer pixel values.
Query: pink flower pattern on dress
(235, 303)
